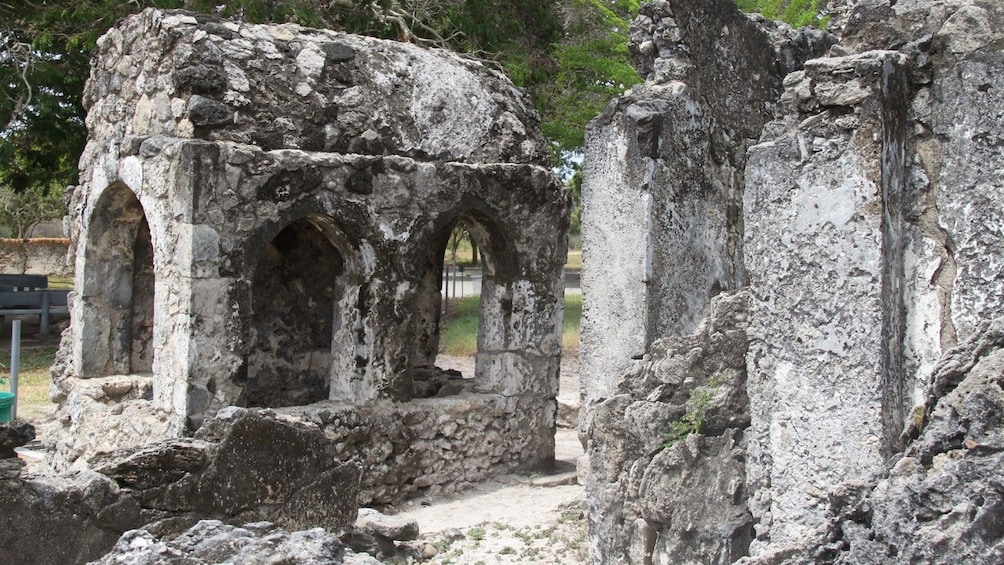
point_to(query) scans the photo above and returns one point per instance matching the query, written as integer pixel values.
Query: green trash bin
(6, 406)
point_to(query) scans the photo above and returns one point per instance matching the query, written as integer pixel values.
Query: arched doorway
(443, 288)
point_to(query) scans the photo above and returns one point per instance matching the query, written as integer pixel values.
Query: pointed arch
(300, 325)
(117, 288)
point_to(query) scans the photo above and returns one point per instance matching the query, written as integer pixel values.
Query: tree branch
(21, 57)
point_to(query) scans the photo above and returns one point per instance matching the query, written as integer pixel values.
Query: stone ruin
(260, 229)
(261, 223)
(792, 245)
(792, 347)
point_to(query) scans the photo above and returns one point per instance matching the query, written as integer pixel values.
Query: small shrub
(476, 533)
(694, 419)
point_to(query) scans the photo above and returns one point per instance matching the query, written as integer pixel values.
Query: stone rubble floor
(527, 519)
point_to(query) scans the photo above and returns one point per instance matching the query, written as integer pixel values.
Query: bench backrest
(23, 282)
(21, 299)
(32, 298)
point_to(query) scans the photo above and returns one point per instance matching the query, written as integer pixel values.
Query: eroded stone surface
(261, 222)
(940, 501)
(662, 191)
(815, 256)
(870, 220)
(657, 490)
(212, 541)
(248, 467)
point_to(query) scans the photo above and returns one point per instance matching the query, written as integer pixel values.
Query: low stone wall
(36, 256)
(441, 444)
(433, 445)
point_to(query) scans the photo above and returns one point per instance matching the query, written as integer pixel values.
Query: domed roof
(284, 86)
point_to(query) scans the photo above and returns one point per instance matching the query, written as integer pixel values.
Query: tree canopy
(570, 55)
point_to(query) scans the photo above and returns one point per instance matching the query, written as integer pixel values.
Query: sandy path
(513, 518)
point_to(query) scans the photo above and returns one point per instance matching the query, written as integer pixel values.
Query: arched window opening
(118, 288)
(452, 305)
(296, 291)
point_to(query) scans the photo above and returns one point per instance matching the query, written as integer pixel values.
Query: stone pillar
(968, 116)
(616, 218)
(824, 257)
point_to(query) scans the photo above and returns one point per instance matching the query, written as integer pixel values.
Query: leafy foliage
(797, 13)
(693, 420)
(593, 66)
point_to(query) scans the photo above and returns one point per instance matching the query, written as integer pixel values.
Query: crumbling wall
(816, 203)
(940, 501)
(862, 252)
(657, 490)
(870, 215)
(663, 177)
(298, 186)
(662, 240)
(438, 445)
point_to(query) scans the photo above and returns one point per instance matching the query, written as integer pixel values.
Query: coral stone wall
(35, 256)
(871, 247)
(293, 190)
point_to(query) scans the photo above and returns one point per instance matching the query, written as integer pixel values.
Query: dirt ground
(531, 519)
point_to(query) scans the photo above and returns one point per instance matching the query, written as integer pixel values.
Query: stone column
(824, 259)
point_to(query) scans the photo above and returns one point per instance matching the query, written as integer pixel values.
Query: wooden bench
(28, 294)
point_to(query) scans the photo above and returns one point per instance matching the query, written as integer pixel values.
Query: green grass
(63, 283)
(460, 335)
(33, 383)
(571, 324)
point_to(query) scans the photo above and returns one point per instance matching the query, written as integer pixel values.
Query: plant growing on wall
(694, 419)
(796, 13)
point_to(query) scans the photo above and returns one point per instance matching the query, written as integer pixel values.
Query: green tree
(21, 210)
(593, 67)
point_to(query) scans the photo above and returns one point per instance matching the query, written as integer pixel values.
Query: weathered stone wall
(662, 190)
(433, 445)
(175, 74)
(298, 187)
(940, 501)
(862, 250)
(870, 223)
(659, 493)
(815, 204)
(38, 256)
(662, 238)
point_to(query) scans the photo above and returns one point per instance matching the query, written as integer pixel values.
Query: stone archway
(496, 273)
(297, 315)
(117, 288)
